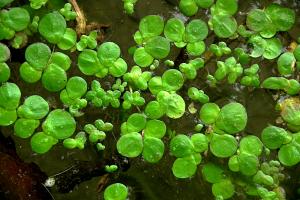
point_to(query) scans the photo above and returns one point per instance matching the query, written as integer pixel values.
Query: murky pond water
(147, 181)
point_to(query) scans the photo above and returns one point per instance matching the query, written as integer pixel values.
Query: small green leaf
(76, 87)
(158, 47)
(174, 30)
(136, 122)
(224, 25)
(212, 173)
(7, 117)
(200, 142)
(274, 137)
(251, 145)
(248, 164)
(232, 118)
(34, 107)
(38, 55)
(116, 191)
(155, 128)
(223, 146)
(223, 189)
(209, 113)
(172, 80)
(289, 155)
(286, 63)
(4, 53)
(188, 7)
(15, 18)
(89, 63)
(24, 128)
(151, 25)
(195, 49)
(153, 149)
(181, 146)
(10, 96)
(257, 20)
(195, 31)
(184, 167)
(273, 48)
(142, 58)
(42, 143)
(59, 124)
(229, 7)
(4, 72)
(108, 53)
(154, 110)
(54, 78)
(68, 40)
(53, 26)
(130, 145)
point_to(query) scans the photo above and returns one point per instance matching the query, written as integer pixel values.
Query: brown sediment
(82, 26)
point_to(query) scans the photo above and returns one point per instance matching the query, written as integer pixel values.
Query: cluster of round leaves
(4, 68)
(187, 151)
(142, 136)
(105, 61)
(41, 63)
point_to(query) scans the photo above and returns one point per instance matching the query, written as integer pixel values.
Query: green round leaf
(61, 60)
(223, 146)
(108, 53)
(204, 3)
(181, 146)
(68, 40)
(142, 58)
(273, 137)
(257, 20)
(54, 78)
(38, 55)
(229, 7)
(155, 85)
(116, 191)
(151, 25)
(251, 145)
(42, 143)
(7, 117)
(10, 95)
(118, 68)
(224, 189)
(158, 47)
(29, 74)
(59, 124)
(188, 7)
(24, 128)
(136, 122)
(173, 105)
(174, 30)
(4, 72)
(224, 25)
(4, 53)
(248, 164)
(130, 145)
(209, 113)
(172, 80)
(233, 163)
(289, 155)
(297, 53)
(259, 45)
(154, 110)
(195, 31)
(88, 62)
(283, 18)
(155, 128)
(212, 173)
(232, 118)
(200, 142)
(286, 63)
(53, 26)
(76, 87)
(184, 167)
(290, 111)
(153, 149)
(16, 18)
(34, 107)
(273, 48)
(195, 49)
